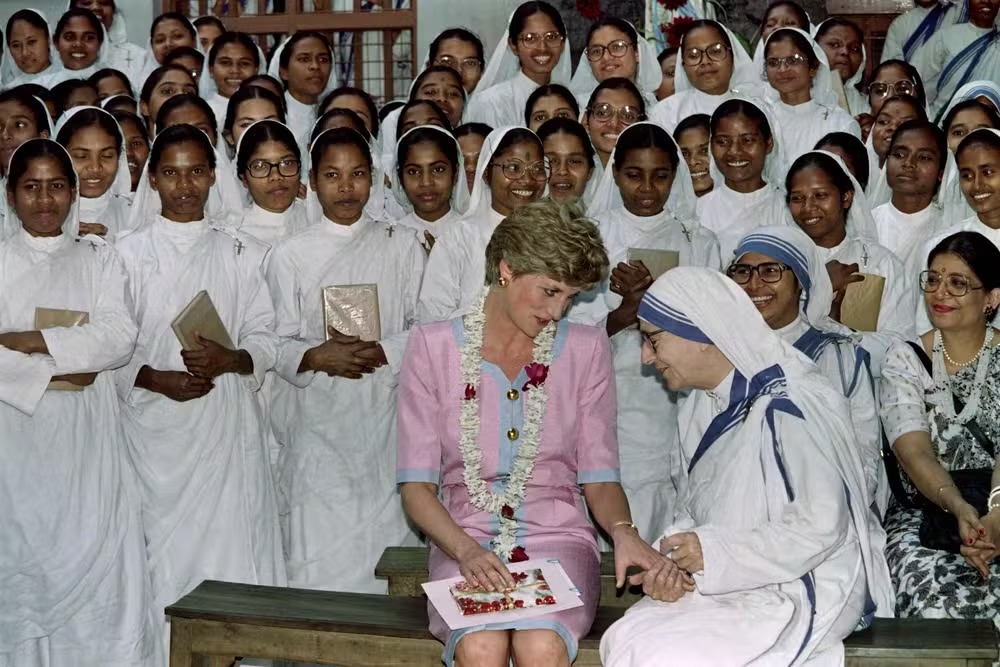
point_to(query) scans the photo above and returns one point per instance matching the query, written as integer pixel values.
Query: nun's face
(78, 43)
(173, 83)
(684, 364)
(539, 46)
(667, 68)
(29, 47)
(844, 50)
(136, 151)
(446, 92)
(169, 35)
(105, 9)
(787, 69)
(979, 177)
(612, 111)
(42, 197)
(964, 122)
(893, 114)
(110, 86)
(342, 182)
(95, 158)
(17, 125)
(471, 145)
(612, 54)
(462, 57)
(818, 207)
(207, 34)
(249, 112)
(509, 177)
(421, 114)
(548, 107)
(740, 151)
(308, 70)
(777, 302)
(428, 179)
(189, 114)
(353, 103)
(693, 143)
(708, 62)
(569, 168)
(183, 179)
(779, 17)
(644, 178)
(234, 64)
(914, 164)
(274, 192)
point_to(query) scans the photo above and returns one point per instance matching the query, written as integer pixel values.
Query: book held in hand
(657, 262)
(352, 310)
(862, 303)
(200, 317)
(530, 590)
(48, 318)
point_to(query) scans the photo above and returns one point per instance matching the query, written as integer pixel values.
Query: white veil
(71, 225)
(11, 75)
(460, 192)
(504, 65)
(822, 91)
(647, 78)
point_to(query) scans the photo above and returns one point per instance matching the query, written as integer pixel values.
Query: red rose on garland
(590, 9)
(470, 392)
(518, 555)
(672, 5)
(674, 31)
(537, 373)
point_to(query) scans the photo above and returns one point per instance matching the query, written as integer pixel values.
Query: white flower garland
(535, 397)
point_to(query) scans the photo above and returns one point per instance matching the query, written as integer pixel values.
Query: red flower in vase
(674, 31)
(672, 5)
(589, 9)
(537, 373)
(518, 555)
(470, 392)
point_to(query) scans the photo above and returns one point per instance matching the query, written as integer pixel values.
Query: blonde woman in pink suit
(511, 411)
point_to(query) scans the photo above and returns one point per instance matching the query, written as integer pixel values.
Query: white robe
(502, 104)
(129, 59)
(763, 551)
(208, 501)
(732, 215)
(270, 228)
(72, 558)
(904, 25)
(647, 410)
(895, 320)
(670, 111)
(301, 118)
(933, 57)
(413, 221)
(337, 464)
(799, 128)
(109, 210)
(219, 106)
(905, 233)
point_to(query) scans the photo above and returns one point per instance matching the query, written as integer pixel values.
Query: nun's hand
(842, 275)
(79, 379)
(630, 281)
(176, 385)
(666, 582)
(95, 228)
(685, 550)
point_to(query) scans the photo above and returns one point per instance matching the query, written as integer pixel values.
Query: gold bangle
(938, 495)
(625, 522)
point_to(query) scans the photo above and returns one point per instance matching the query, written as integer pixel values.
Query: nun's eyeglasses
(514, 169)
(881, 88)
(955, 284)
(715, 52)
(769, 272)
(263, 168)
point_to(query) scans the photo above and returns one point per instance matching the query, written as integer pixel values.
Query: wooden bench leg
(182, 652)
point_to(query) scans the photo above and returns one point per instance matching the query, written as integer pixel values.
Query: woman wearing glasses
(533, 52)
(613, 106)
(889, 79)
(801, 99)
(712, 67)
(462, 51)
(615, 49)
(941, 415)
(511, 172)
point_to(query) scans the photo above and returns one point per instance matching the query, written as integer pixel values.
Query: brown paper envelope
(47, 318)
(862, 303)
(352, 310)
(200, 316)
(657, 261)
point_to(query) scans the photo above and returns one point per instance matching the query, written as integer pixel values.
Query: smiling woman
(29, 49)
(80, 41)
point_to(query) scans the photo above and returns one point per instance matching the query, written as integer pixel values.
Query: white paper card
(566, 594)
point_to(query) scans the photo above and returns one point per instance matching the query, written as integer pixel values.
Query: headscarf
(953, 201)
(860, 222)
(774, 174)
(59, 73)
(11, 75)
(481, 199)
(150, 63)
(71, 225)
(459, 193)
(122, 185)
(300, 219)
(207, 87)
(274, 69)
(822, 91)
(376, 206)
(702, 305)
(969, 91)
(648, 76)
(746, 78)
(504, 65)
(852, 83)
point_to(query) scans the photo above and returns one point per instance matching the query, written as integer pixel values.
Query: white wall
(138, 14)
(487, 19)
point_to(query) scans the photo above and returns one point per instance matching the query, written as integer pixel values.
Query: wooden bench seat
(219, 621)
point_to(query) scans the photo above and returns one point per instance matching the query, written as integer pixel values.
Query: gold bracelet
(938, 495)
(625, 522)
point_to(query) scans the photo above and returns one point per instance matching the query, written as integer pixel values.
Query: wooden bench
(406, 569)
(219, 621)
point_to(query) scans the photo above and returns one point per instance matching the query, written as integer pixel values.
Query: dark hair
(529, 9)
(616, 23)
(109, 73)
(356, 121)
(965, 105)
(250, 93)
(697, 121)
(173, 16)
(339, 136)
(179, 134)
(178, 102)
(515, 137)
(257, 134)
(666, 53)
(32, 18)
(550, 90)
(327, 104)
(123, 102)
(940, 140)
(911, 73)
(388, 108)
(980, 137)
(90, 118)
(465, 129)
(798, 40)
(24, 96)
(978, 253)
(645, 135)
(617, 83)
(839, 22)
(156, 76)
(738, 107)
(32, 149)
(438, 111)
(240, 38)
(436, 69)
(175, 54)
(124, 117)
(856, 150)
(286, 53)
(202, 21)
(457, 33)
(800, 13)
(827, 164)
(570, 126)
(86, 14)
(424, 135)
(913, 102)
(61, 92)
(708, 23)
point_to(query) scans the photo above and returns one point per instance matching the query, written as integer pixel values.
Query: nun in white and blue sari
(771, 522)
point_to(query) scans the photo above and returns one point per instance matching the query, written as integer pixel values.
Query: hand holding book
(175, 385)
(211, 360)
(344, 356)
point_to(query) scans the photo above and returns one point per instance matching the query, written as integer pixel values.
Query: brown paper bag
(352, 310)
(657, 262)
(200, 316)
(47, 318)
(862, 303)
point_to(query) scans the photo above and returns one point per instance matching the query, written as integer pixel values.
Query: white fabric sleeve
(256, 334)
(288, 321)
(441, 292)
(23, 379)
(929, 60)
(411, 273)
(901, 393)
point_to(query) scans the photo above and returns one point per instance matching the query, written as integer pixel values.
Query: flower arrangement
(674, 31)
(590, 9)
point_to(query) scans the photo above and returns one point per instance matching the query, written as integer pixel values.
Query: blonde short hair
(550, 239)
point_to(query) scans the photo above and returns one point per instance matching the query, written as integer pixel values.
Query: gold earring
(503, 281)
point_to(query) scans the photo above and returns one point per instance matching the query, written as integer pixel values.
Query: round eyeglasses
(515, 169)
(769, 272)
(263, 168)
(605, 113)
(715, 52)
(463, 65)
(792, 61)
(551, 39)
(617, 49)
(882, 89)
(955, 284)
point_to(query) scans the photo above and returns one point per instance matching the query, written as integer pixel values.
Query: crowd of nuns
(134, 467)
